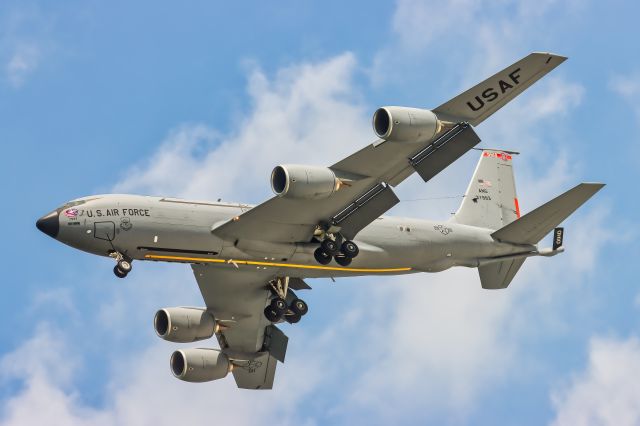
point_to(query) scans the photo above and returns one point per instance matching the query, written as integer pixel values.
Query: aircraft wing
(482, 100)
(373, 170)
(236, 298)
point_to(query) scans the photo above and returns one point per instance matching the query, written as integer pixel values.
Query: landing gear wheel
(279, 306)
(330, 247)
(321, 256)
(299, 307)
(124, 266)
(292, 318)
(118, 272)
(343, 260)
(350, 249)
(271, 314)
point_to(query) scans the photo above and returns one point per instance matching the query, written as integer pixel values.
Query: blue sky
(202, 100)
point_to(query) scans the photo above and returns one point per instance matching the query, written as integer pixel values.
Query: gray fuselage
(174, 230)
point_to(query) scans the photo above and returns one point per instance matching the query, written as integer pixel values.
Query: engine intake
(199, 364)
(300, 181)
(402, 124)
(184, 325)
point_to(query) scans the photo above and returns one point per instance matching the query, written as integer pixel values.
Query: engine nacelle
(402, 124)
(300, 181)
(184, 325)
(199, 364)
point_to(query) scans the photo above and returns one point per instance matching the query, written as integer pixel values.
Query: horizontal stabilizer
(533, 226)
(499, 275)
(482, 100)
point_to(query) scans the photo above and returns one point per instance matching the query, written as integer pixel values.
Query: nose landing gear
(123, 265)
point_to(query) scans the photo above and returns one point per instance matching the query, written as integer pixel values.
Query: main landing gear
(123, 265)
(332, 247)
(284, 306)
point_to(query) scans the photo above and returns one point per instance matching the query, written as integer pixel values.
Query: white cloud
(22, 63)
(172, 169)
(418, 23)
(307, 111)
(608, 391)
(626, 86)
(25, 40)
(41, 356)
(306, 114)
(443, 339)
(442, 335)
(435, 336)
(59, 298)
(488, 35)
(46, 365)
(142, 391)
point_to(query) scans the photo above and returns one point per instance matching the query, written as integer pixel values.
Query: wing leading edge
(353, 207)
(281, 219)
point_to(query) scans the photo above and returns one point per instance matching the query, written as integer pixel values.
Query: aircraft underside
(249, 261)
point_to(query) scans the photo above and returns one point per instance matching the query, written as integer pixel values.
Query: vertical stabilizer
(491, 200)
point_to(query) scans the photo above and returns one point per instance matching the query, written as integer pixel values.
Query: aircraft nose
(49, 224)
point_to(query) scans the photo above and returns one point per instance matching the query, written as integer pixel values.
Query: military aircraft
(325, 222)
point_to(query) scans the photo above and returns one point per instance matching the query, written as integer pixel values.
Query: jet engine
(402, 124)
(300, 181)
(199, 364)
(184, 325)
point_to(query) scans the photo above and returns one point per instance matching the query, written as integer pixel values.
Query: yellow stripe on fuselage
(277, 265)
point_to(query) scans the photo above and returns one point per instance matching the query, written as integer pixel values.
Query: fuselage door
(104, 230)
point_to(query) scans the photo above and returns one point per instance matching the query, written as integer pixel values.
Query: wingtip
(597, 185)
(559, 58)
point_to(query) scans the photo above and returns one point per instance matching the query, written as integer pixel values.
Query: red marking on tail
(515, 200)
(500, 155)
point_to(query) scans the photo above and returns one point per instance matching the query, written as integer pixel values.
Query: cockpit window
(77, 202)
(73, 204)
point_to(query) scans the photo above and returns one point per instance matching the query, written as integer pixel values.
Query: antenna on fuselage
(497, 149)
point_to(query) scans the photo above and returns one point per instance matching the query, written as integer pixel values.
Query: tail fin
(530, 228)
(482, 100)
(490, 200)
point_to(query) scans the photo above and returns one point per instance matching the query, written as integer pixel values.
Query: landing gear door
(104, 230)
